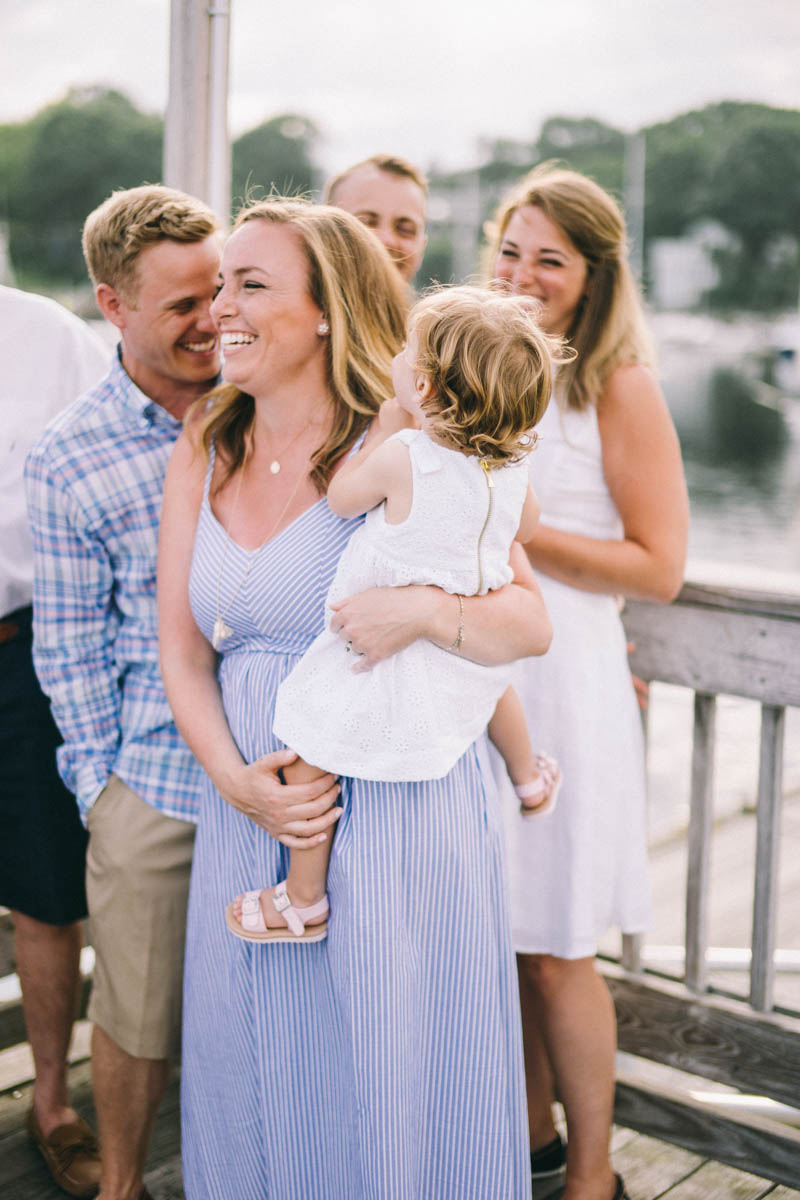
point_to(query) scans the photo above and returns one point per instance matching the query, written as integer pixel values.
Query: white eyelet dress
(582, 869)
(414, 714)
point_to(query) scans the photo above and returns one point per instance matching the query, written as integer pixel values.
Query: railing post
(698, 868)
(768, 823)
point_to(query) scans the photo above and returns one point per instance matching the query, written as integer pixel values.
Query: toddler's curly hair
(490, 367)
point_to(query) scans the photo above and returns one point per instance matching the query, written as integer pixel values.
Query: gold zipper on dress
(490, 486)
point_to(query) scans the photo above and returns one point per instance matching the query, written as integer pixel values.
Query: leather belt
(9, 630)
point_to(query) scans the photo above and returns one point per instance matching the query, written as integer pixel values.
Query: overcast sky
(424, 78)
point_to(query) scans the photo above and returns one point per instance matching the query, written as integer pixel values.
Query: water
(742, 458)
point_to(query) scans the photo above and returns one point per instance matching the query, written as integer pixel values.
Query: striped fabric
(94, 483)
(386, 1061)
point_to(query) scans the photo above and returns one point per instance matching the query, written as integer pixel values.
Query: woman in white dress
(614, 523)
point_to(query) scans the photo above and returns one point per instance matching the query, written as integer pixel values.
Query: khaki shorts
(137, 887)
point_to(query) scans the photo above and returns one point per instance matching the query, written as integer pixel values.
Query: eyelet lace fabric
(412, 716)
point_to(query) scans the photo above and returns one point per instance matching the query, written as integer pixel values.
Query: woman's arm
(188, 668)
(529, 520)
(499, 627)
(644, 473)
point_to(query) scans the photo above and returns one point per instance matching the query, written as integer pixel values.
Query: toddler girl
(444, 501)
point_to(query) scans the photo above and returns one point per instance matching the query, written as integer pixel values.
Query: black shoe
(549, 1161)
(620, 1193)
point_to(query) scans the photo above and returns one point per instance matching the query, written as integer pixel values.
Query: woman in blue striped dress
(384, 1062)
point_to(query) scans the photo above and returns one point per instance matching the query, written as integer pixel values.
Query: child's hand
(391, 418)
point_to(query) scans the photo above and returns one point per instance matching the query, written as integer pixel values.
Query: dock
(708, 1094)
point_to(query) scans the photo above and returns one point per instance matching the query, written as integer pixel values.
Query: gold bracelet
(459, 642)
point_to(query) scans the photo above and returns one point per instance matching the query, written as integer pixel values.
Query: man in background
(389, 195)
(95, 480)
(49, 358)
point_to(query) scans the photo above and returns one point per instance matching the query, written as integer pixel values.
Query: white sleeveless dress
(582, 869)
(414, 715)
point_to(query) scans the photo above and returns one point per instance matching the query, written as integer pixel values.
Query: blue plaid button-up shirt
(94, 484)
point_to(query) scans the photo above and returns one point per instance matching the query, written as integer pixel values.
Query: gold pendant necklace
(275, 465)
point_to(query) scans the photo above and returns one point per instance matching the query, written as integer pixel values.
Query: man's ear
(111, 304)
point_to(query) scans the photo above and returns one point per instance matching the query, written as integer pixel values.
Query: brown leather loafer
(72, 1155)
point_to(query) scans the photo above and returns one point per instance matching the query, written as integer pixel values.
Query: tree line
(737, 164)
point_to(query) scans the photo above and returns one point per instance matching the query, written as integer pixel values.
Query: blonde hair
(391, 163)
(608, 329)
(116, 232)
(490, 369)
(354, 284)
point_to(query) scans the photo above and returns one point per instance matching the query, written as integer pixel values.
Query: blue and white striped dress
(385, 1062)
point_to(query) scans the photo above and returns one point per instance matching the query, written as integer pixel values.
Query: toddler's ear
(425, 388)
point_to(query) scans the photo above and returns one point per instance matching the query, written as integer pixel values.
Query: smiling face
(267, 321)
(169, 344)
(393, 207)
(538, 259)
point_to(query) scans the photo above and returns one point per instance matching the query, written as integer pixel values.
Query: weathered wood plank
(23, 1175)
(675, 1119)
(701, 818)
(715, 1179)
(765, 899)
(742, 587)
(650, 1167)
(716, 1040)
(716, 651)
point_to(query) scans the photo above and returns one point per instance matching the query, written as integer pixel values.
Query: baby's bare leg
(306, 881)
(508, 730)
(536, 777)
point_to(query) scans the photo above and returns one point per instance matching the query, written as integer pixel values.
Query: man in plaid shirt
(94, 483)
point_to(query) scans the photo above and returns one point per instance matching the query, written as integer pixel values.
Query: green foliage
(275, 156)
(437, 265)
(735, 163)
(61, 164)
(768, 283)
(585, 145)
(738, 164)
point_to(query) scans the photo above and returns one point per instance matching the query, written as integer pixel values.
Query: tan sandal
(253, 927)
(546, 787)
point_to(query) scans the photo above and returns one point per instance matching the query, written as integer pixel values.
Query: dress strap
(212, 454)
(422, 451)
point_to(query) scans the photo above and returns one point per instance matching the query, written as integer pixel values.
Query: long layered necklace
(222, 630)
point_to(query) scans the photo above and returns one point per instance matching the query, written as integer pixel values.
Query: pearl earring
(323, 328)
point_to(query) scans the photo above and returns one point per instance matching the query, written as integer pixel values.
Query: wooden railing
(735, 641)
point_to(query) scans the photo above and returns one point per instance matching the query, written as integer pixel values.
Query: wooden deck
(652, 1169)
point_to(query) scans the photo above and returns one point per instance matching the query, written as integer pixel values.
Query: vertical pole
(633, 188)
(196, 142)
(768, 822)
(698, 871)
(218, 185)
